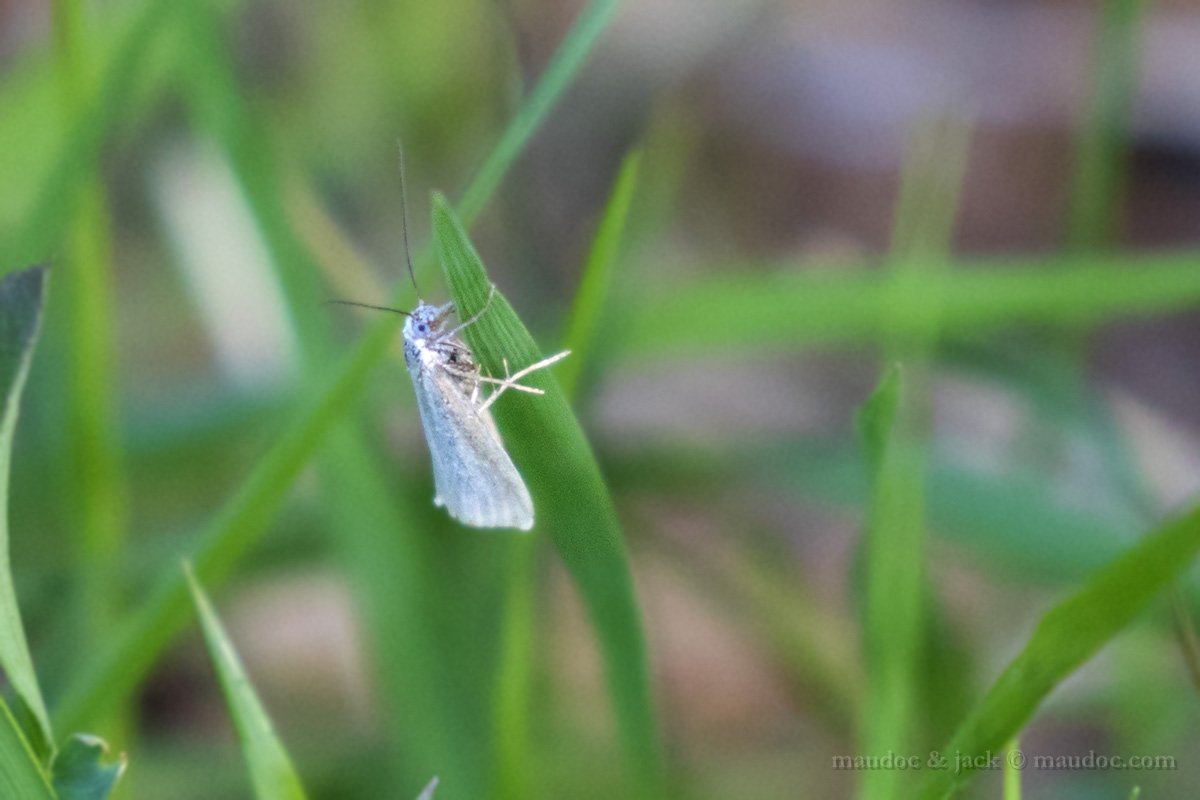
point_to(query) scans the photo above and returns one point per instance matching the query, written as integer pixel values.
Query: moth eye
(421, 327)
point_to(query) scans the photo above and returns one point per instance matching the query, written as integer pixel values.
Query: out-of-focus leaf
(593, 292)
(559, 73)
(1066, 636)
(79, 770)
(893, 561)
(571, 500)
(786, 309)
(1098, 168)
(21, 775)
(271, 769)
(21, 297)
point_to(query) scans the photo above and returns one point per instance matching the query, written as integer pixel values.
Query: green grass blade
(893, 571)
(80, 772)
(593, 292)
(511, 702)
(1098, 169)
(21, 774)
(559, 74)
(96, 477)
(101, 111)
(784, 309)
(271, 769)
(513, 675)
(570, 497)
(136, 646)
(1067, 636)
(1012, 772)
(893, 430)
(21, 298)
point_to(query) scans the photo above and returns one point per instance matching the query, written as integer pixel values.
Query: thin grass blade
(21, 773)
(559, 74)
(270, 767)
(1066, 636)
(22, 295)
(592, 297)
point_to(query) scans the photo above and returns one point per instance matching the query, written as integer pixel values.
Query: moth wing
(473, 476)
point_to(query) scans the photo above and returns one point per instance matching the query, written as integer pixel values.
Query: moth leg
(510, 381)
(475, 316)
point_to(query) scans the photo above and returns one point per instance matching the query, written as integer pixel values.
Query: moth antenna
(404, 216)
(367, 305)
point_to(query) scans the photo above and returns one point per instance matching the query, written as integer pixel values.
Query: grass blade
(513, 676)
(79, 771)
(1098, 169)
(20, 773)
(893, 574)
(96, 480)
(271, 769)
(101, 111)
(593, 292)
(570, 496)
(21, 298)
(1067, 636)
(784, 309)
(558, 75)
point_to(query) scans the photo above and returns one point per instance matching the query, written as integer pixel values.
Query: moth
(474, 478)
(473, 475)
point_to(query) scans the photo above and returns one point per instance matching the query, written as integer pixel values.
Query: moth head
(426, 320)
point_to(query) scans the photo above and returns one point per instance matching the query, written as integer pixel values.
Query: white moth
(473, 476)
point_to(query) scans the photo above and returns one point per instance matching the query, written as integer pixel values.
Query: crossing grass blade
(1065, 637)
(271, 770)
(787, 308)
(571, 500)
(21, 298)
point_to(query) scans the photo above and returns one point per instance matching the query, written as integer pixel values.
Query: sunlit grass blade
(21, 774)
(787, 308)
(571, 500)
(271, 770)
(593, 292)
(21, 297)
(136, 645)
(1066, 636)
(80, 770)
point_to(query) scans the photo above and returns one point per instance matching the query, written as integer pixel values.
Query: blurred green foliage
(148, 147)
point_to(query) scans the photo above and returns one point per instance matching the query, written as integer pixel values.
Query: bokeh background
(245, 146)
